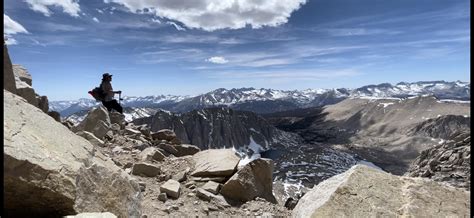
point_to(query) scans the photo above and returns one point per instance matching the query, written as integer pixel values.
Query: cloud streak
(70, 7)
(10, 28)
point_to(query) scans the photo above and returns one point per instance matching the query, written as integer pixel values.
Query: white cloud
(70, 7)
(95, 19)
(100, 11)
(218, 14)
(11, 27)
(178, 27)
(217, 60)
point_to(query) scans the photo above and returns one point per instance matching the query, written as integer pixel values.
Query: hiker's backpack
(98, 93)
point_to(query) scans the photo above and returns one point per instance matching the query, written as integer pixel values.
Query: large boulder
(101, 128)
(363, 191)
(253, 180)
(92, 122)
(186, 149)
(8, 76)
(215, 163)
(50, 171)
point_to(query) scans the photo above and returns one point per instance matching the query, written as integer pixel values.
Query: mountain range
(270, 100)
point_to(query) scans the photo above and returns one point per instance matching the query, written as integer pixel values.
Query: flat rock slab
(171, 188)
(207, 179)
(145, 169)
(215, 162)
(169, 148)
(203, 194)
(362, 191)
(212, 187)
(186, 149)
(164, 134)
(91, 138)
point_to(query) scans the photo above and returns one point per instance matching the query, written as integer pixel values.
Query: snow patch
(385, 104)
(256, 149)
(369, 164)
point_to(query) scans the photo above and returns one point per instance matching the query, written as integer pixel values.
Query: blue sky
(192, 47)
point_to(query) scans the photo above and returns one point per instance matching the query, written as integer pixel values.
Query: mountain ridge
(280, 100)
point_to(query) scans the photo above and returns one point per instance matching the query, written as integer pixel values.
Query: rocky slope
(443, 127)
(53, 172)
(366, 192)
(375, 129)
(446, 162)
(297, 164)
(219, 128)
(178, 179)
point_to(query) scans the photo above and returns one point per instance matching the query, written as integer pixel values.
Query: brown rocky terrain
(178, 179)
(378, 130)
(448, 162)
(366, 192)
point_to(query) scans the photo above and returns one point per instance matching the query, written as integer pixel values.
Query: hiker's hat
(105, 75)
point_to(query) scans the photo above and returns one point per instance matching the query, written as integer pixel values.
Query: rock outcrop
(253, 180)
(24, 89)
(446, 162)
(8, 76)
(216, 128)
(367, 192)
(22, 74)
(53, 172)
(215, 163)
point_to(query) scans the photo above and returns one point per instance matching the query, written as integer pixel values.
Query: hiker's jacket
(107, 87)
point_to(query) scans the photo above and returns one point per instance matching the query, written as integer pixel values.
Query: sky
(190, 47)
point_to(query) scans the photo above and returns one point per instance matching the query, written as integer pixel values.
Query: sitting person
(109, 102)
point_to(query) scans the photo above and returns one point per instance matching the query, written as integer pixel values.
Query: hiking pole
(120, 97)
